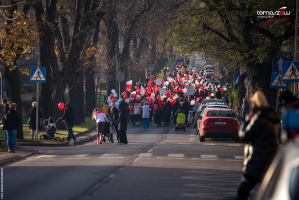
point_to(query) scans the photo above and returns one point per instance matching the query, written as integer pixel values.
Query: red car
(219, 123)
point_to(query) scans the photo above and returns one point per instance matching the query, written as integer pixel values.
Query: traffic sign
(290, 72)
(277, 63)
(236, 80)
(120, 77)
(38, 74)
(276, 81)
(150, 68)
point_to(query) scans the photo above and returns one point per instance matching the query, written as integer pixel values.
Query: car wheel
(202, 139)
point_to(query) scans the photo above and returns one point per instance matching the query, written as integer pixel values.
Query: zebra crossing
(148, 154)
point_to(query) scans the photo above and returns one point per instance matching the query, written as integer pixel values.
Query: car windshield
(205, 101)
(216, 113)
(217, 106)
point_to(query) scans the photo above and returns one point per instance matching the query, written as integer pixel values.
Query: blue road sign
(277, 63)
(38, 74)
(290, 72)
(150, 68)
(236, 80)
(276, 81)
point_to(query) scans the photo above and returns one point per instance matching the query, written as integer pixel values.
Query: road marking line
(112, 175)
(79, 155)
(209, 144)
(171, 158)
(110, 155)
(211, 187)
(209, 156)
(46, 156)
(145, 154)
(233, 160)
(184, 143)
(203, 159)
(176, 155)
(137, 159)
(239, 157)
(209, 179)
(150, 150)
(77, 158)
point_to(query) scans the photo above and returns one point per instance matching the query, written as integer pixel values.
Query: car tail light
(205, 122)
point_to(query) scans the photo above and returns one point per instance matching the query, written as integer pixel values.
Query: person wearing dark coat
(32, 120)
(69, 118)
(5, 108)
(114, 123)
(11, 124)
(157, 113)
(260, 131)
(218, 94)
(166, 112)
(186, 108)
(122, 123)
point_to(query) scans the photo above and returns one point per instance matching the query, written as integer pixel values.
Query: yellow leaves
(95, 55)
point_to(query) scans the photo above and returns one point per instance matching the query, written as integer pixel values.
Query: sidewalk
(21, 152)
(81, 139)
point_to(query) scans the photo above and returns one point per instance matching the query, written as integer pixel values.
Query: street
(158, 163)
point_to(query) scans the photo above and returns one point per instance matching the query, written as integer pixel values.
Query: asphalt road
(158, 163)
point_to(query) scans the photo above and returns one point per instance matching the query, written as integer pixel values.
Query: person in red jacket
(162, 104)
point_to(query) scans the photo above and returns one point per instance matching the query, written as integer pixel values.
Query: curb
(17, 157)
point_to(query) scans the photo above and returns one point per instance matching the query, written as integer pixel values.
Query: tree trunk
(45, 38)
(100, 93)
(13, 80)
(112, 53)
(82, 95)
(242, 89)
(90, 98)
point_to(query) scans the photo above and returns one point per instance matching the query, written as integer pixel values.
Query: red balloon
(175, 90)
(111, 96)
(173, 101)
(150, 85)
(154, 81)
(203, 88)
(152, 76)
(173, 82)
(162, 81)
(136, 87)
(193, 76)
(61, 106)
(145, 92)
(137, 99)
(183, 84)
(139, 90)
(176, 83)
(151, 100)
(159, 98)
(167, 93)
(158, 76)
(198, 86)
(132, 96)
(180, 80)
(125, 96)
(173, 71)
(181, 89)
(171, 97)
(221, 89)
(130, 107)
(178, 72)
(212, 77)
(113, 100)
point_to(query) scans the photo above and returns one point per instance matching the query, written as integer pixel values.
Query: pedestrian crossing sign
(38, 74)
(290, 72)
(276, 81)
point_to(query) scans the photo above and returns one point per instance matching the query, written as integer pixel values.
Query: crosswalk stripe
(239, 157)
(78, 156)
(145, 154)
(46, 156)
(110, 155)
(209, 156)
(176, 155)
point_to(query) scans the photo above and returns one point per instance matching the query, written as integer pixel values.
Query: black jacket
(32, 118)
(69, 116)
(218, 95)
(175, 107)
(122, 118)
(261, 135)
(167, 108)
(11, 120)
(114, 115)
(186, 107)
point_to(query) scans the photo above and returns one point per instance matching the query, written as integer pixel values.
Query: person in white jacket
(101, 120)
(145, 115)
(137, 113)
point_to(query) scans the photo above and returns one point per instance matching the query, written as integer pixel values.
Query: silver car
(281, 180)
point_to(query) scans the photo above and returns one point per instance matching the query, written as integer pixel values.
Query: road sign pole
(277, 100)
(37, 105)
(118, 89)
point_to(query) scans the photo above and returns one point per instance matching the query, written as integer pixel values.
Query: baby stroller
(108, 133)
(50, 127)
(180, 122)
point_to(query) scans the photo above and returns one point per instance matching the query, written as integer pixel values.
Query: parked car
(207, 106)
(281, 180)
(218, 123)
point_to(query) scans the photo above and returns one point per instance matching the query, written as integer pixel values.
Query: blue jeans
(11, 138)
(71, 134)
(145, 123)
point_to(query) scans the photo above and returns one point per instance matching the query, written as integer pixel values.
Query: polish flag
(282, 8)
